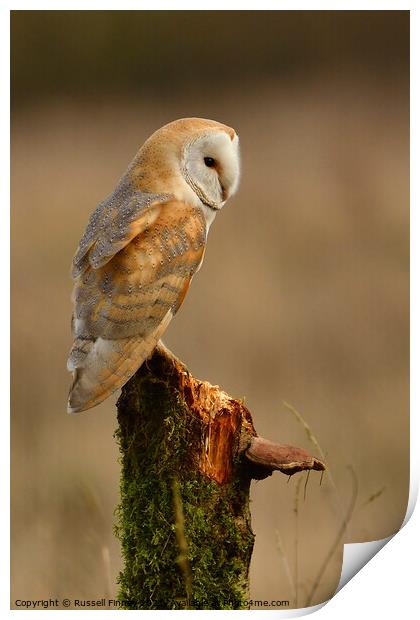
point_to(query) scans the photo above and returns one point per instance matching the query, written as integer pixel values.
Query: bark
(188, 455)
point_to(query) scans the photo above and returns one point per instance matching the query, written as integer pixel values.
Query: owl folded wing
(114, 223)
(124, 301)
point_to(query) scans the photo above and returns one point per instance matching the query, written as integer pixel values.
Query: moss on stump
(183, 520)
(188, 454)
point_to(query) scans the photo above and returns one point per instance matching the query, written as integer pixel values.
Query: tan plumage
(141, 248)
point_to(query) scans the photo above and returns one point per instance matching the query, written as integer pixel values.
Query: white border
(245, 5)
(386, 585)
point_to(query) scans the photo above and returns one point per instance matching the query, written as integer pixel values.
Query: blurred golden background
(304, 288)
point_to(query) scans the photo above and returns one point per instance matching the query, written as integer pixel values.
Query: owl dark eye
(210, 162)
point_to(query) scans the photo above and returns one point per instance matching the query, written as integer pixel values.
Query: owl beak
(224, 193)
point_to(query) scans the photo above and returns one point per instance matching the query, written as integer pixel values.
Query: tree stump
(188, 455)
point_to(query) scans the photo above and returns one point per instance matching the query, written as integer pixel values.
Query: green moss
(155, 437)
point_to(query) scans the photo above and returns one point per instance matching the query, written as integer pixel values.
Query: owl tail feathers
(102, 366)
(99, 368)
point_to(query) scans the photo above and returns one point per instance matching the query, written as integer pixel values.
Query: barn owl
(141, 248)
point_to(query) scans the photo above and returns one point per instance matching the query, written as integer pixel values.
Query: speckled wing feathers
(124, 302)
(116, 220)
(131, 293)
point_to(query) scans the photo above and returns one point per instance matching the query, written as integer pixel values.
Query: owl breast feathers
(141, 248)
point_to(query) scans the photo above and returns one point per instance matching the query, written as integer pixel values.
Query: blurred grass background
(303, 296)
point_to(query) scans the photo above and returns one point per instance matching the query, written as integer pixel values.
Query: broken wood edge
(260, 456)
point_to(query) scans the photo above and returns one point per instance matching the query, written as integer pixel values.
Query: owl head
(195, 159)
